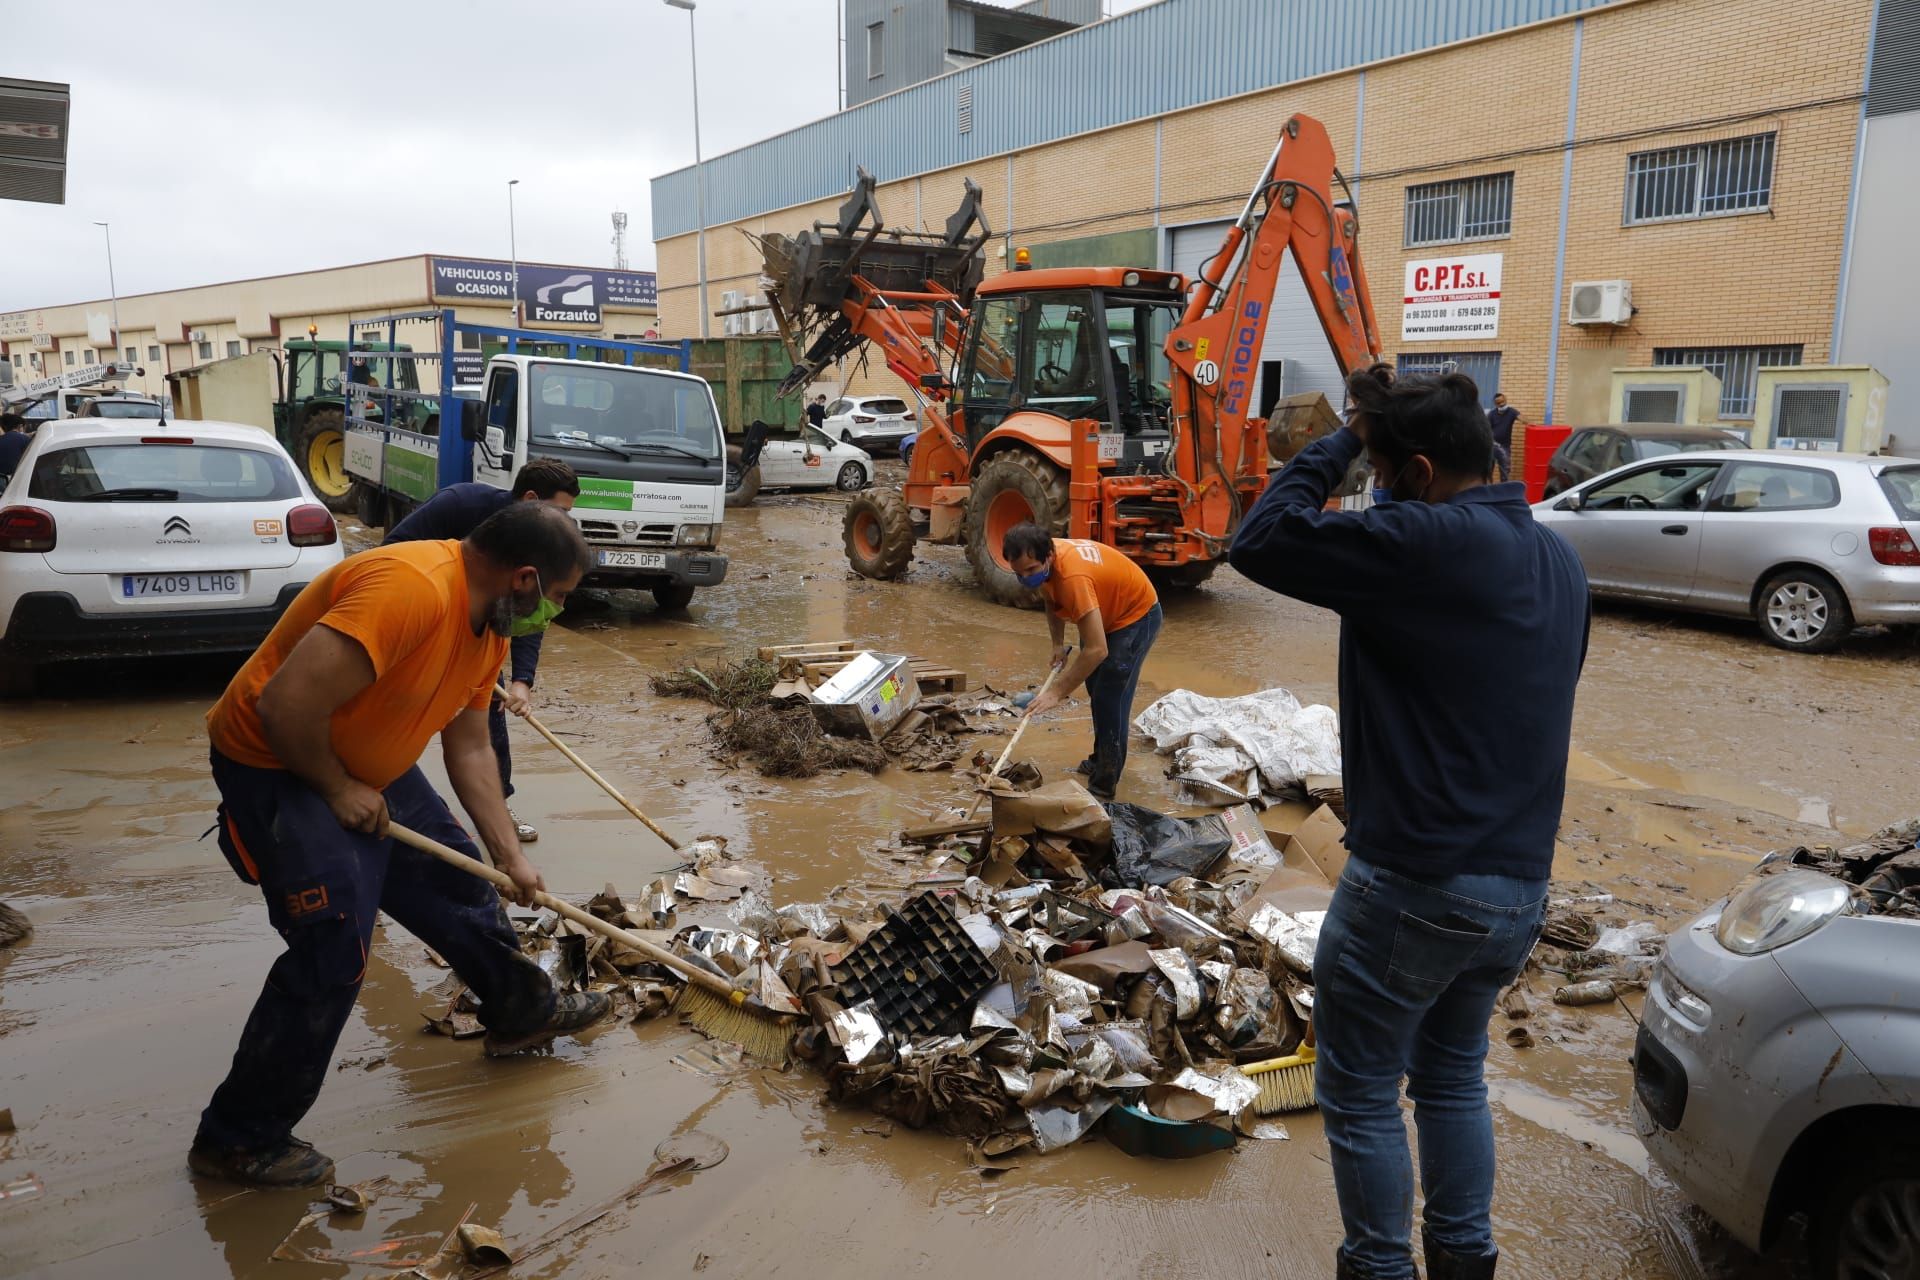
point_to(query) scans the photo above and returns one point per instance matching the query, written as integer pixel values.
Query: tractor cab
(1073, 343)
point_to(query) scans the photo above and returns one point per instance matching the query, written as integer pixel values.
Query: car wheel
(1803, 610)
(852, 478)
(1869, 1226)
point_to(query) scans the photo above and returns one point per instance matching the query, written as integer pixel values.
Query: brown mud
(1698, 749)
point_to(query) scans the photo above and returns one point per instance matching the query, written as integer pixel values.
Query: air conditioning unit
(1600, 302)
(733, 325)
(196, 335)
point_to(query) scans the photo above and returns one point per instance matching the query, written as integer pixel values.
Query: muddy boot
(572, 1012)
(291, 1164)
(1443, 1264)
(526, 831)
(1085, 767)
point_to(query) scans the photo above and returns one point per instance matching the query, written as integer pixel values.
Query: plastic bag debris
(1228, 750)
(1056, 1127)
(1152, 848)
(1293, 935)
(1631, 940)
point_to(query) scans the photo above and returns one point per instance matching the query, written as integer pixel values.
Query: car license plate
(631, 559)
(136, 586)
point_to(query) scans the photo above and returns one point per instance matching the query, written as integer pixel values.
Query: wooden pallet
(823, 659)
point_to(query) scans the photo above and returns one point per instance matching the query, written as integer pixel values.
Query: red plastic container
(1541, 442)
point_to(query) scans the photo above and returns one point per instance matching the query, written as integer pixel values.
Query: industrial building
(177, 329)
(1548, 190)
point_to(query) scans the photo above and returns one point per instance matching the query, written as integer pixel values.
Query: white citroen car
(123, 538)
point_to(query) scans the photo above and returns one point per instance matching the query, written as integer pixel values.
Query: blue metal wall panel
(1164, 57)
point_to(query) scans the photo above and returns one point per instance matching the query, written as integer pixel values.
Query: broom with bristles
(713, 1005)
(1286, 1084)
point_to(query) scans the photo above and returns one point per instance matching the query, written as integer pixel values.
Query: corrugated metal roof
(1161, 58)
(1893, 84)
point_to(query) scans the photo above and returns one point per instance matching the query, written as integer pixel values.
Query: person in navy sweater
(457, 511)
(1463, 629)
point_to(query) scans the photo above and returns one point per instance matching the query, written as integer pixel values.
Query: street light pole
(699, 169)
(113, 289)
(513, 249)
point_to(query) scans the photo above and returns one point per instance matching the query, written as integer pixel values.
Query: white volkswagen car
(812, 461)
(153, 539)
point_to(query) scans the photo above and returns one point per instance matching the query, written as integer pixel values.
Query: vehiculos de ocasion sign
(1447, 299)
(548, 295)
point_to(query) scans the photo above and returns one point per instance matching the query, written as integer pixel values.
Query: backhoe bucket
(1297, 421)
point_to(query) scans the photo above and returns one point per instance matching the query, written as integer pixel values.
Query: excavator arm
(1219, 450)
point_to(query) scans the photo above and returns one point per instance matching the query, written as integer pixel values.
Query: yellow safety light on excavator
(313, 330)
(1022, 260)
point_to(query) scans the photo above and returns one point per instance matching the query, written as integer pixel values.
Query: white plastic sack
(1252, 748)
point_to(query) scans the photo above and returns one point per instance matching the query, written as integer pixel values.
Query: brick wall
(1765, 277)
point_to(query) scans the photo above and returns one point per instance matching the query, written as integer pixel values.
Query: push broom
(708, 1001)
(1286, 1084)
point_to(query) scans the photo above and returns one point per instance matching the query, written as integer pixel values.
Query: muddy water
(1698, 749)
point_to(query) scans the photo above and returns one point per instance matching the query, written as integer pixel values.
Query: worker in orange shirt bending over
(1109, 598)
(316, 744)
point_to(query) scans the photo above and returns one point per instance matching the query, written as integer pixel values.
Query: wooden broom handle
(1014, 741)
(659, 955)
(588, 769)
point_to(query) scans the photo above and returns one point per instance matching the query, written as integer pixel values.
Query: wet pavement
(1697, 749)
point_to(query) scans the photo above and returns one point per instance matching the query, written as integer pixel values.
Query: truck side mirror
(473, 421)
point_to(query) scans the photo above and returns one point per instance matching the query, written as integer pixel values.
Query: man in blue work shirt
(457, 511)
(1463, 628)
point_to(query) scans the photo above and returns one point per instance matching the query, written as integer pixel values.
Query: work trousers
(1405, 977)
(324, 886)
(502, 748)
(1110, 690)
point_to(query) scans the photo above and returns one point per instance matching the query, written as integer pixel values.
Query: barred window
(1466, 209)
(1736, 367)
(1704, 181)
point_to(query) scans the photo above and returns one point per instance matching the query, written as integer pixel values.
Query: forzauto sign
(549, 295)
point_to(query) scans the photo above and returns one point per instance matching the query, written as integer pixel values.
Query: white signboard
(1452, 299)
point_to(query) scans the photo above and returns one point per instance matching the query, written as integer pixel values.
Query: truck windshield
(622, 408)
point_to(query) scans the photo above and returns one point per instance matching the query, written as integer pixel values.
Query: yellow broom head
(758, 1030)
(1286, 1084)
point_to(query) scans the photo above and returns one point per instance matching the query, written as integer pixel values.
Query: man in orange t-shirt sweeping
(1109, 598)
(316, 742)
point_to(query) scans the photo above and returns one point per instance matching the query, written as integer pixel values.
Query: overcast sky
(233, 138)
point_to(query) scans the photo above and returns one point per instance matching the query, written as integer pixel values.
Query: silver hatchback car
(1808, 545)
(1777, 1071)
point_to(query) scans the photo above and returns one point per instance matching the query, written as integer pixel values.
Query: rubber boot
(1443, 1264)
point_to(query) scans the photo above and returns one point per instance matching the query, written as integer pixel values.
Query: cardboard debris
(1063, 808)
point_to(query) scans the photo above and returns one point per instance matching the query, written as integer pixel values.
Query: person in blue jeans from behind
(1463, 629)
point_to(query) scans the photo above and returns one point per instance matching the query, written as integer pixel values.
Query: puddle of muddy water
(121, 1013)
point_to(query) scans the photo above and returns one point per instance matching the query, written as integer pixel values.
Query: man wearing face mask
(1110, 600)
(455, 512)
(316, 743)
(1463, 628)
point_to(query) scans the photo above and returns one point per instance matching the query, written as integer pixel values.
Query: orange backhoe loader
(1109, 403)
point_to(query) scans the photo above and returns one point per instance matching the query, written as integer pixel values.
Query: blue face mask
(1033, 580)
(1381, 496)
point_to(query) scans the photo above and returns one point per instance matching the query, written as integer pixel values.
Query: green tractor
(310, 414)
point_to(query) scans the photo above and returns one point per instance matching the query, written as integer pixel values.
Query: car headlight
(1774, 910)
(694, 535)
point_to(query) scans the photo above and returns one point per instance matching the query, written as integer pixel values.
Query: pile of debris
(1885, 866)
(780, 717)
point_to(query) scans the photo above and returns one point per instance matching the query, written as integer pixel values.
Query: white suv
(869, 420)
(152, 539)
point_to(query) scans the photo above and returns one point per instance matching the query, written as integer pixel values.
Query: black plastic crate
(921, 970)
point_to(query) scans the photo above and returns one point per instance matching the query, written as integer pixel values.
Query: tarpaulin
(1227, 750)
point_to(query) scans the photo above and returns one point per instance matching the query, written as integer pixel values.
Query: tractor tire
(320, 453)
(1186, 577)
(878, 534)
(1012, 487)
(742, 486)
